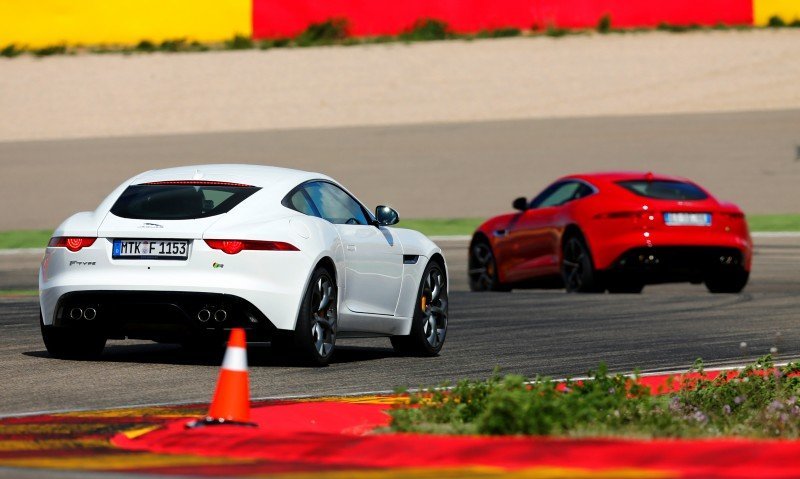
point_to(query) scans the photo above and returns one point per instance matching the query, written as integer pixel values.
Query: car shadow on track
(258, 355)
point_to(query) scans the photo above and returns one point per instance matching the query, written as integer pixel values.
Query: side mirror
(520, 204)
(386, 216)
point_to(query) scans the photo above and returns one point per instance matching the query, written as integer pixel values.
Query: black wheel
(728, 282)
(577, 269)
(625, 286)
(429, 327)
(315, 333)
(483, 268)
(65, 343)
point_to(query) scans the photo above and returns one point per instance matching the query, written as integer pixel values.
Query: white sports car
(184, 254)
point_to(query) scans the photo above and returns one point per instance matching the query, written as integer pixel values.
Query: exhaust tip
(203, 315)
(89, 314)
(75, 313)
(220, 316)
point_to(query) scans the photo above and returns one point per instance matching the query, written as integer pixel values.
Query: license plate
(150, 249)
(687, 219)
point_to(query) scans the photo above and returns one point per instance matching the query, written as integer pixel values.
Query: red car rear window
(664, 190)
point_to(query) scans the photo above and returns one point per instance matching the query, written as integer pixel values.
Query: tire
(728, 282)
(62, 343)
(315, 334)
(429, 325)
(482, 269)
(625, 286)
(577, 269)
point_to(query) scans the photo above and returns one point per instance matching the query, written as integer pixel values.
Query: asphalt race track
(528, 332)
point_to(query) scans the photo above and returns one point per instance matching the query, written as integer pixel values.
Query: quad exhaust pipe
(204, 315)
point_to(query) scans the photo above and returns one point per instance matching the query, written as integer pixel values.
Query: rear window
(179, 201)
(664, 190)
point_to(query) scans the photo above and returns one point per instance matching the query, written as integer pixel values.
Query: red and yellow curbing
(338, 438)
(122, 22)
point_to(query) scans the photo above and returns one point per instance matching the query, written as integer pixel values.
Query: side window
(557, 194)
(335, 205)
(299, 201)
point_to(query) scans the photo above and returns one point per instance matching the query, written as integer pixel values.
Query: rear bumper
(677, 263)
(160, 315)
(272, 282)
(676, 246)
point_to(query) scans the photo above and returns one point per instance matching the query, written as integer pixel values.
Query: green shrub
(604, 24)
(776, 21)
(174, 45)
(146, 46)
(51, 50)
(504, 32)
(239, 42)
(11, 51)
(324, 33)
(668, 27)
(795, 23)
(274, 43)
(762, 402)
(426, 29)
(555, 32)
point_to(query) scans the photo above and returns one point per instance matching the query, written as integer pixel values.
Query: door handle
(500, 233)
(351, 247)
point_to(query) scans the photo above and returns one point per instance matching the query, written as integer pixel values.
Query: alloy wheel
(573, 264)
(433, 303)
(323, 316)
(482, 267)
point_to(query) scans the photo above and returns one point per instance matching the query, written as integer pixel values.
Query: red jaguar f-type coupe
(617, 232)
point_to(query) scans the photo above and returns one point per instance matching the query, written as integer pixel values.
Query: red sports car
(615, 231)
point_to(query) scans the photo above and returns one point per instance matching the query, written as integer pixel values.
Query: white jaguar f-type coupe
(184, 254)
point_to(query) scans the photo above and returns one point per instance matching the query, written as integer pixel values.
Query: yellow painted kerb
(39, 23)
(763, 10)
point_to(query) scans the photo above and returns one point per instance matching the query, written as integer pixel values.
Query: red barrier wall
(287, 18)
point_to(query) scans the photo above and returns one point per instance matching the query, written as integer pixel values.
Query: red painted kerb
(287, 18)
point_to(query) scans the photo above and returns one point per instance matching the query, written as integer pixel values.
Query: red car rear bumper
(698, 247)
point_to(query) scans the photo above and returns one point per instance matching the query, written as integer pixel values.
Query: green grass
(428, 226)
(774, 222)
(762, 402)
(24, 239)
(18, 292)
(442, 227)
(335, 31)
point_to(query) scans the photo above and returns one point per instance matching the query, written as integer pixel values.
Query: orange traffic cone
(231, 402)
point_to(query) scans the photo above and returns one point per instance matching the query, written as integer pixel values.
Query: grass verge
(335, 31)
(24, 239)
(428, 226)
(761, 402)
(10, 293)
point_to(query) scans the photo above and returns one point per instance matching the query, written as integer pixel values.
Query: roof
(615, 176)
(255, 175)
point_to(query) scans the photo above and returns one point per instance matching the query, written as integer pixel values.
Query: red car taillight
(72, 243)
(235, 246)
